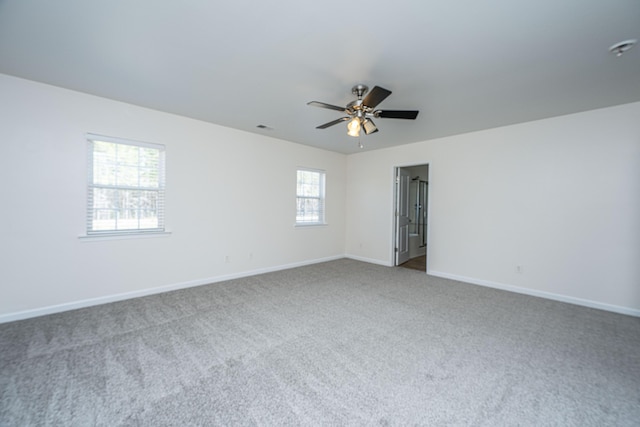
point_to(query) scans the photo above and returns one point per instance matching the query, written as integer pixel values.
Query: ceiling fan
(361, 111)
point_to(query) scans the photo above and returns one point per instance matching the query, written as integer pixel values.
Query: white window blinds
(125, 186)
(310, 197)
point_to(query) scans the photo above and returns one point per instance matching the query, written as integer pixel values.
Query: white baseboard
(542, 294)
(26, 314)
(368, 260)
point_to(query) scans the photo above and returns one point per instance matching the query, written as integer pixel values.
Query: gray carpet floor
(337, 343)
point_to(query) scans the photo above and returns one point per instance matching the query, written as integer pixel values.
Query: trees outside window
(125, 186)
(310, 197)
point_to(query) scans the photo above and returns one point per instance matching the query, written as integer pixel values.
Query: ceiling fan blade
(375, 97)
(335, 122)
(369, 127)
(328, 106)
(397, 114)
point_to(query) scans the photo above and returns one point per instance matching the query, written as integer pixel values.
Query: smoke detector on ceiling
(619, 49)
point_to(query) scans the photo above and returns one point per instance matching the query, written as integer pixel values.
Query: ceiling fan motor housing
(359, 90)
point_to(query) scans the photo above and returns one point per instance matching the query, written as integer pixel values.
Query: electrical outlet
(226, 259)
(519, 269)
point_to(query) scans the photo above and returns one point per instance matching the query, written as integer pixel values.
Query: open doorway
(411, 216)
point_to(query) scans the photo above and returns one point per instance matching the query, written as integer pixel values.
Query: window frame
(91, 139)
(322, 197)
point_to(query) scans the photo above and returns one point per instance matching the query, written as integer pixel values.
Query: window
(125, 186)
(310, 197)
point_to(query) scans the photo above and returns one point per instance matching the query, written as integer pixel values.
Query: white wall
(560, 197)
(229, 193)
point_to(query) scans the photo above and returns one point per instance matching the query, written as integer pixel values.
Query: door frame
(395, 206)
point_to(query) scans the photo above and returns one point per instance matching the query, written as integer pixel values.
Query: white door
(403, 178)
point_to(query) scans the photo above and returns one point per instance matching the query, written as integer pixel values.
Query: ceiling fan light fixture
(353, 127)
(369, 127)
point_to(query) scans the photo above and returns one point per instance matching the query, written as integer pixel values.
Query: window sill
(311, 225)
(121, 236)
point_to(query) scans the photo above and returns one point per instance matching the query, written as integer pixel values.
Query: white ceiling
(466, 65)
